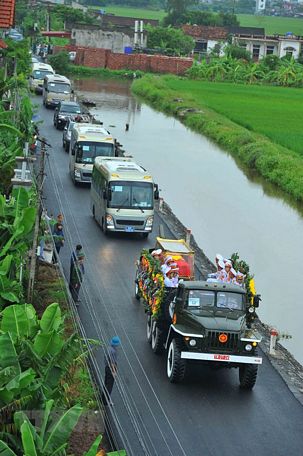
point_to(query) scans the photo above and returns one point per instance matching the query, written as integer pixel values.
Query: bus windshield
(131, 195)
(88, 151)
(57, 87)
(40, 74)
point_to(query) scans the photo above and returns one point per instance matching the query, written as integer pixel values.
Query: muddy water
(226, 209)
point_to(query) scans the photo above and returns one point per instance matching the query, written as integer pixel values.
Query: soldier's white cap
(228, 263)
(156, 252)
(221, 264)
(219, 257)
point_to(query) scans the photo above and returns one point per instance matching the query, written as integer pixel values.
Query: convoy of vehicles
(64, 111)
(56, 88)
(198, 321)
(39, 71)
(88, 141)
(122, 196)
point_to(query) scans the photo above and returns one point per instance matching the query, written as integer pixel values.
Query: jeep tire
(248, 376)
(149, 328)
(176, 366)
(157, 339)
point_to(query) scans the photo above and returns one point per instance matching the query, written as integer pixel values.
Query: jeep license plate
(129, 229)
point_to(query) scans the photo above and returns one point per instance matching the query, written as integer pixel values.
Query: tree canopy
(170, 40)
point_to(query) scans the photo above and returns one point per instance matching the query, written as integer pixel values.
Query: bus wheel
(103, 226)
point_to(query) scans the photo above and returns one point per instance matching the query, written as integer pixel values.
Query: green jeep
(210, 323)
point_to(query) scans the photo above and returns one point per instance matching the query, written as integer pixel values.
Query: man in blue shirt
(110, 361)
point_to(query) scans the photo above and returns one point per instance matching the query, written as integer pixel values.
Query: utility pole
(33, 259)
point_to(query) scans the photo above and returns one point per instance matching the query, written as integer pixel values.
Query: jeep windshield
(213, 300)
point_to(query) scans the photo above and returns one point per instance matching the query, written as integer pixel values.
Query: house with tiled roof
(206, 37)
(7, 14)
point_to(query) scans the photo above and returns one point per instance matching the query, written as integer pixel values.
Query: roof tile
(7, 13)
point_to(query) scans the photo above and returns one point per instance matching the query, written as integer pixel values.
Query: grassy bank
(193, 103)
(76, 70)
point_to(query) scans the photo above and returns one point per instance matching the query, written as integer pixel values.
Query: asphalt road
(207, 415)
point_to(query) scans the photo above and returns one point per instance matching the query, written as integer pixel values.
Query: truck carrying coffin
(198, 321)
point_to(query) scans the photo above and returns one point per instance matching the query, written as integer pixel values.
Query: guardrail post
(188, 236)
(161, 201)
(273, 340)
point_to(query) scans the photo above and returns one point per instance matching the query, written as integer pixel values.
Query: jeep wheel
(149, 328)
(175, 364)
(248, 376)
(137, 289)
(156, 338)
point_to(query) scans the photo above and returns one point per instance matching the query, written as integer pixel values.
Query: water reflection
(228, 208)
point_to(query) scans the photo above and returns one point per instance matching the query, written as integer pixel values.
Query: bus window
(131, 195)
(88, 151)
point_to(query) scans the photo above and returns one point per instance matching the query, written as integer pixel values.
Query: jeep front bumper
(222, 358)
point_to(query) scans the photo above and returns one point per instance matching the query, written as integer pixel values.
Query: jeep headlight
(109, 220)
(77, 173)
(149, 221)
(192, 342)
(248, 347)
(251, 310)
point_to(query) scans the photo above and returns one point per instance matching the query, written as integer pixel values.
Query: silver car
(67, 134)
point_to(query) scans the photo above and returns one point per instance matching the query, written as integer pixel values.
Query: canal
(227, 210)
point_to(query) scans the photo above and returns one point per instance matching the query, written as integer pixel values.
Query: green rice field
(275, 112)
(272, 24)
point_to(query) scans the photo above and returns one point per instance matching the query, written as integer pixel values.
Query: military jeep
(209, 323)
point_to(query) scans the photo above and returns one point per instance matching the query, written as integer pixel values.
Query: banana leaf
(51, 318)
(19, 320)
(94, 448)
(60, 432)
(26, 220)
(48, 343)
(8, 354)
(7, 374)
(28, 442)
(22, 380)
(5, 265)
(21, 199)
(5, 450)
(48, 407)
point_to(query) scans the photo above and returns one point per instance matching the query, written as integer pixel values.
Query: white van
(56, 88)
(122, 196)
(39, 71)
(88, 141)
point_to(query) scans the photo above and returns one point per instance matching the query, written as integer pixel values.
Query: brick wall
(104, 58)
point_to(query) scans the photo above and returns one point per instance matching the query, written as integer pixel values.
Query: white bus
(56, 88)
(39, 71)
(88, 141)
(122, 196)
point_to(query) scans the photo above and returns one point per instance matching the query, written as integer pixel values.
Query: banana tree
(16, 224)
(50, 439)
(41, 345)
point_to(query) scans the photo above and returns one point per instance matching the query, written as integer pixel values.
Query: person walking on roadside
(111, 363)
(76, 272)
(58, 236)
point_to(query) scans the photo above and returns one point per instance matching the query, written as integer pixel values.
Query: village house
(252, 39)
